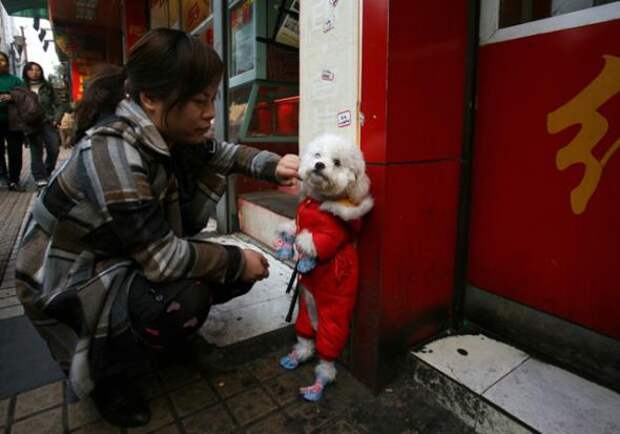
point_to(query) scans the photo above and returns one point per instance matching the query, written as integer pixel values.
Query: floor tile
(214, 420)
(82, 413)
(310, 416)
(168, 429)
(340, 427)
(38, 399)
(284, 389)
(11, 312)
(492, 420)
(267, 367)
(160, 415)
(10, 292)
(100, 427)
(178, 375)
(233, 382)
(192, 397)
(555, 401)
(473, 360)
(277, 423)
(49, 422)
(9, 301)
(4, 411)
(149, 386)
(250, 405)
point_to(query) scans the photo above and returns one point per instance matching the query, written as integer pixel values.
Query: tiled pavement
(238, 388)
(252, 394)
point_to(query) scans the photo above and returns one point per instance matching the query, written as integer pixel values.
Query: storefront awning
(26, 8)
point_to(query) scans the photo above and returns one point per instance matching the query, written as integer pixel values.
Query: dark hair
(27, 68)
(6, 56)
(165, 64)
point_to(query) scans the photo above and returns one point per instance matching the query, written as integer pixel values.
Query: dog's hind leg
(325, 373)
(302, 351)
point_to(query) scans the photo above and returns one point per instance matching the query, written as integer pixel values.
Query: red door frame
(413, 89)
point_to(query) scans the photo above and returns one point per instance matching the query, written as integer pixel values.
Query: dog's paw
(306, 264)
(305, 244)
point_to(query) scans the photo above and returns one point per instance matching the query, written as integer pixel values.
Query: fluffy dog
(335, 195)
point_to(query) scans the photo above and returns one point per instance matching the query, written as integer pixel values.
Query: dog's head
(332, 169)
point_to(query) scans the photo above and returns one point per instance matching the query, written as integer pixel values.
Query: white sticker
(327, 75)
(344, 119)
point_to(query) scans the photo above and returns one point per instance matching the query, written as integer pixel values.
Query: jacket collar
(343, 208)
(145, 130)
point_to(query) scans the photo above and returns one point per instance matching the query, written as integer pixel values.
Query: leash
(291, 308)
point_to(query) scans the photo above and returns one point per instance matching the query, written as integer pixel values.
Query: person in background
(47, 137)
(67, 127)
(14, 137)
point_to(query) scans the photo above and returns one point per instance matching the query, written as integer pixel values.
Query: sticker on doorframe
(327, 75)
(344, 119)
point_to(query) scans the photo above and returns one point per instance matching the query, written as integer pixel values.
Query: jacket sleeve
(232, 158)
(328, 235)
(139, 226)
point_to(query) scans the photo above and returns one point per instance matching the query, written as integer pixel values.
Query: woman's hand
(287, 169)
(5, 97)
(256, 266)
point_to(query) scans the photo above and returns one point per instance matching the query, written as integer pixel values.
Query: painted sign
(545, 215)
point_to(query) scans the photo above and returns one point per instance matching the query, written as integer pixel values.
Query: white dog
(335, 195)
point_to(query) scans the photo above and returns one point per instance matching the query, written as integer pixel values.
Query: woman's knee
(163, 313)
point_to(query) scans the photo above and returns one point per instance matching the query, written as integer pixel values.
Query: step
(496, 388)
(260, 311)
(262, 213)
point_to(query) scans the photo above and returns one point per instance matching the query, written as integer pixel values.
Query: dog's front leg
(307, 251)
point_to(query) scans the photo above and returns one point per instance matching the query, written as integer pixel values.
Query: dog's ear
(359, 189)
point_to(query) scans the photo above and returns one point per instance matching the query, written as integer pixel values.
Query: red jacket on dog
(326, 304)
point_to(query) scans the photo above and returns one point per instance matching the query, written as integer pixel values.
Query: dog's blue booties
(289, 361)
(284, 246)
(306, 264)
(315, 392)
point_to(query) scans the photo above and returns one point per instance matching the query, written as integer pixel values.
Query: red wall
(527, 242)
(413, 68)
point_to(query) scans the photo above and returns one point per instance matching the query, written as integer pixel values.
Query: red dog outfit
(329, 290)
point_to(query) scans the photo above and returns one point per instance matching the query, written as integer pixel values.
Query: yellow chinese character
(583, 110)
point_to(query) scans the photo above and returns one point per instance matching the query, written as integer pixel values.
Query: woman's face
(34, 73)
(4, 65)
(187, 123)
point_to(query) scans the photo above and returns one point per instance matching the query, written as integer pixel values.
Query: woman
(47, 137)
(107, 261)
(14, 137)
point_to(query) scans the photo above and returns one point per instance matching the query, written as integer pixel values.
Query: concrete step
(262, 213)
(261, 311)
(495, 388)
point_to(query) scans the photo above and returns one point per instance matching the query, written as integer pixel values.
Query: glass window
(243, 36)
(513, 12)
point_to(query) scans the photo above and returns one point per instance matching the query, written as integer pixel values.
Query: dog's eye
(317, 155)
(337, 162)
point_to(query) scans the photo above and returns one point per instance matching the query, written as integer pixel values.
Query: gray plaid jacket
(122, 204)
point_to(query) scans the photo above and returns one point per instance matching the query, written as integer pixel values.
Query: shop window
(513, 12)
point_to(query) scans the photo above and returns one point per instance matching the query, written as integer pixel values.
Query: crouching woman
(107, 262)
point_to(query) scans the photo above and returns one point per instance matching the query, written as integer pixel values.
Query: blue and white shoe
(290, 361)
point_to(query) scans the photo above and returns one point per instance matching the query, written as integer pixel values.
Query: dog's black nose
(319, 166)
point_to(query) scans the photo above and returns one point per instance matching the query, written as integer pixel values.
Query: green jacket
(7, 83)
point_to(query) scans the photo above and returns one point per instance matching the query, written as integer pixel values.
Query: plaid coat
(122, 204)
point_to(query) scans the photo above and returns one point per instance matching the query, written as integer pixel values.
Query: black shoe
(14, 186)
(121, 403)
